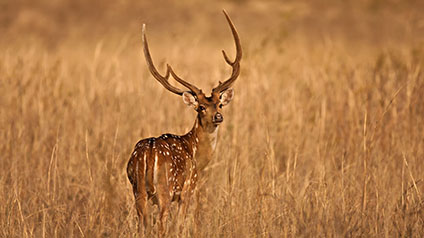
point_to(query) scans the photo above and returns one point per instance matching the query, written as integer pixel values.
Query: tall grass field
(324, 137)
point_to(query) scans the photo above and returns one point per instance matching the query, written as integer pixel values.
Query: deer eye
(201, 108)
(220, 106)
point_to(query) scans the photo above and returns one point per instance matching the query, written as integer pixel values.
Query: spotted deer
(165, 169)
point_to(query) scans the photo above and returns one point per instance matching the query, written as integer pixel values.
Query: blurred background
(55, 23)
(323, 139)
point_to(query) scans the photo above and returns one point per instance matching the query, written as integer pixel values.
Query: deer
(165, 169)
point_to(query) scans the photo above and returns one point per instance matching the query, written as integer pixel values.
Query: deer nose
(218, 118)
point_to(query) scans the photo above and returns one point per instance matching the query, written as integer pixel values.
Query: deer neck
(204, 140)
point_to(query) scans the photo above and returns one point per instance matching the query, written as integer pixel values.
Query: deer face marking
(209, 109)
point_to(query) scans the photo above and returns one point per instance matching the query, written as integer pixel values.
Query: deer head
(208, 108)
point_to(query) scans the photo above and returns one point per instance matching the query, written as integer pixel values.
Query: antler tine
(169, 71)
(162, 79)
(188, 85)
(234, 64)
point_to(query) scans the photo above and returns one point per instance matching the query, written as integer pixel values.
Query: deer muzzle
(218, 118)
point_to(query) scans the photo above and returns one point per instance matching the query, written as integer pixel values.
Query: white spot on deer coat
(155, 170)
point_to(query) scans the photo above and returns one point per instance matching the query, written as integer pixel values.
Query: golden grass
(325, 136)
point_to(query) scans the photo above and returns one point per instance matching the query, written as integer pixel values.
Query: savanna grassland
(325, 136)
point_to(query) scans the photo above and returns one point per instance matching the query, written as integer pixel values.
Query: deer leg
(141, 206)
(164, 205)
(182, 209)
(164, 200)
(163, 218)
(135, 172)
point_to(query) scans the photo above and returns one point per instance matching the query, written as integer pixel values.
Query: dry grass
(325, 137)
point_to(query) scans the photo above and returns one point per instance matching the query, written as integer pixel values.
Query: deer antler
(234, 64)
(164, 79)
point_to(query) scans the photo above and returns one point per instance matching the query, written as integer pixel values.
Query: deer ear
(226, 96)
(189, 99)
